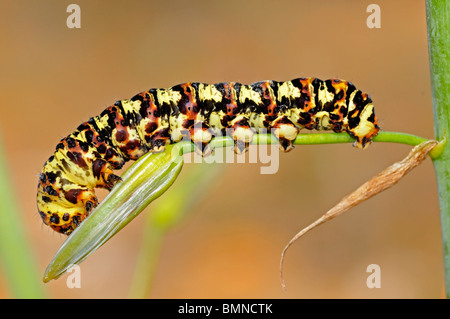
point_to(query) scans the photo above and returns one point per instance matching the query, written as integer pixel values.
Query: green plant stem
(16, 258)
(316, 138)
(150, 177)
(438, 22)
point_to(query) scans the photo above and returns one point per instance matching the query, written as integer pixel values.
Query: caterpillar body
(86, 158)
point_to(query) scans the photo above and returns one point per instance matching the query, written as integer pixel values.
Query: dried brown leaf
(379, 183)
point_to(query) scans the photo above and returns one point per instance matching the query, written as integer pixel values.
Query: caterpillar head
(64, 208)
(64, 223)
(64, 220)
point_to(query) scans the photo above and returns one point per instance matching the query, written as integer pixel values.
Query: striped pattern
(86, 158)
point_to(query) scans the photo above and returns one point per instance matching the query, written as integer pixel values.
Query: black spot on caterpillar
(125, 131)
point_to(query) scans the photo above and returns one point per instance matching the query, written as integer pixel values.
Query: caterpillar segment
(150, 120)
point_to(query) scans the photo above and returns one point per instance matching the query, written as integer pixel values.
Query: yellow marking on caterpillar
(147, 122)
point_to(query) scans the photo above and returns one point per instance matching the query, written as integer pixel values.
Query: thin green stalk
(438, 22)
(315, 138)
(16, 258)
(150, 177)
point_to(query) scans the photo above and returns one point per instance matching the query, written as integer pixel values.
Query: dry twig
(384, 180)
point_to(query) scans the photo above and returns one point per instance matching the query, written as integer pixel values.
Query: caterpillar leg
(103, 174)
(203, 149)
(201, 136)
(363, 125)
(158, 140)
(285, 131)
(242, 134)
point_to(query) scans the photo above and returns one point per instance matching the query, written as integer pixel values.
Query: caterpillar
(125, 131)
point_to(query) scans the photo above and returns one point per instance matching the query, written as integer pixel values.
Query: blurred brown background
(53, 78)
